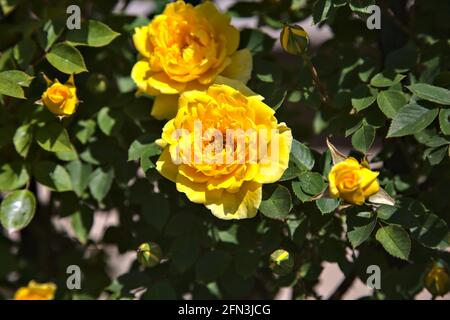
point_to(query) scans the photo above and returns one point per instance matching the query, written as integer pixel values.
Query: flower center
(59, 93)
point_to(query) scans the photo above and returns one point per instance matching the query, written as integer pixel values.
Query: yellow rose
(36, 291)
(225, 165)
(61, 99)
(186, 48)
(352, 181)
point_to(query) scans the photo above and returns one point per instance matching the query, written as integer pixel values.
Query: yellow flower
(186, 48)
(36, 291)
(61, 99)
(352, 181)
(224, 165)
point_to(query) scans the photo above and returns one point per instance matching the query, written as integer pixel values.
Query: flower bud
(36, 291)
(437, 280)
(281, 262)
(61, 99)
(149, 254)
(294, 40)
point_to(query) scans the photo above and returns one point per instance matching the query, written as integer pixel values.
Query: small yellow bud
(149, 254)
(61, 99)
(36, 291)
(294, 40)
(437, 280)
(281, 262)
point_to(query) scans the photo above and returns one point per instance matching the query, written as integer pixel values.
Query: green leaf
(255, 40)
(146, 163)
(53, 28)
(143, 145)
(322, 10)
(362, 97)
(66, 58)
(212, 265)
(431, 93)
(311, 183)
(22, 139)
(18, 77)
(54, 138)
(110, 121)
(361, 6)
(363, 138)
(8, 6)
(444, 121)
(327, 205)
(435, 155)
(411, 119)
(360, 227)
(291, 172)
(385, 212)
(53, 176)
(67, 155)
(82, 221)
(9, 88)
(13, 176)
(299, 193)
(301, 156)
(276, 202)
(100, 183)
(17, 210)
(395, 240)
(24, 51)
(386, 79)
(390, 101)
(85, 130)
(431, 230)
(402, 59)
(92, 34)
(430, 138)
(80, 174)
(367, 69)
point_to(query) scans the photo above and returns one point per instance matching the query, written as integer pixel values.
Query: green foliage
(379, 95)
(66, 58)
(17, 210)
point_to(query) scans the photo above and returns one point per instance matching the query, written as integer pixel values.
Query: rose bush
(321, 142)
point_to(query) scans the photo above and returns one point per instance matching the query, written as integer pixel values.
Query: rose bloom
(61, 99)
(185, 48)
(36, 291)
(231, 189)
(352, 181)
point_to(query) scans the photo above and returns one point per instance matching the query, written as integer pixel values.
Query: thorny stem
(319, 85)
